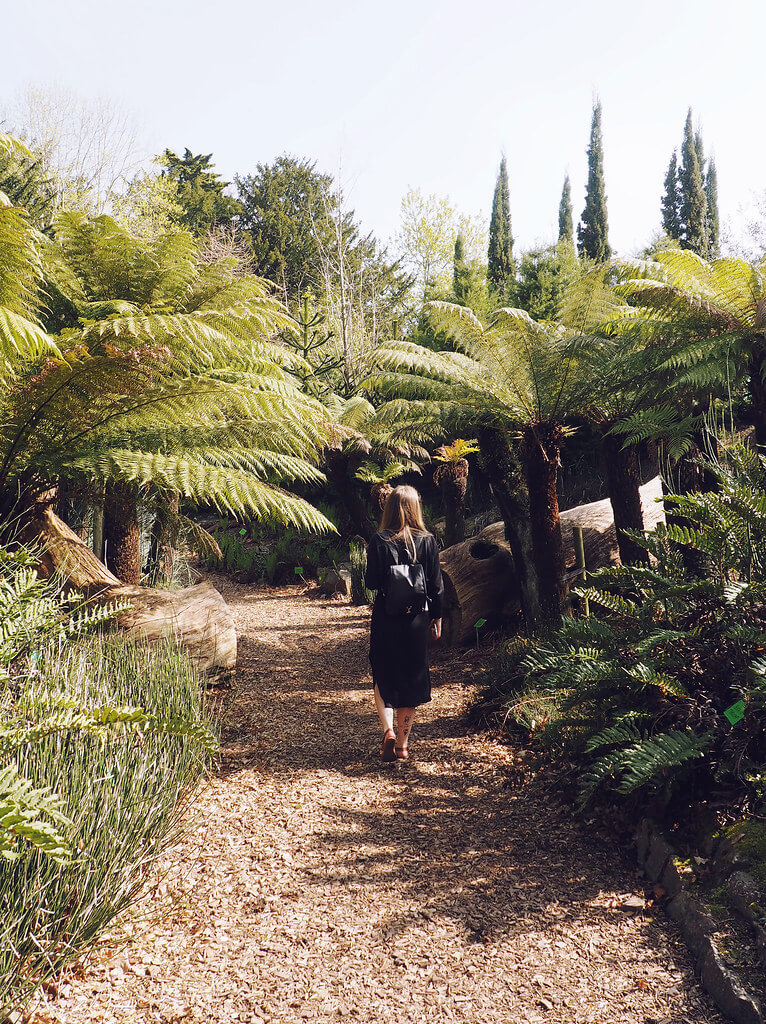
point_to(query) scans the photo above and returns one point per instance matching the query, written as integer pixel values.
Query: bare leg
(404, 720)
(386, 715)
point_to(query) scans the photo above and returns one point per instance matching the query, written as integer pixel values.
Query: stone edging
(657, 858)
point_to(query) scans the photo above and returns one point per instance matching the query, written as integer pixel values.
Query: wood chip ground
(317, 884)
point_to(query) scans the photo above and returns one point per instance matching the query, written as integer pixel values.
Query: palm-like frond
(171, 378)
(230, 490)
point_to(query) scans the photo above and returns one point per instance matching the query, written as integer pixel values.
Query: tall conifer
(500, 264)
(565, 213)
(459, 272)
(694, 233)
(593, 229)
(671, 201)
(713, 223)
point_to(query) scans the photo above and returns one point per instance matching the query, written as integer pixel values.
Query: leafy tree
(87, 148)
(592, 231)
(713, 221)
(500, 263)
(544, 275)
(694, 230)
(199, 190)
(565, 213)
(25, 184)
(288, 211)
(671, 201)
(426, 241)
(150, 205)
(363, 293)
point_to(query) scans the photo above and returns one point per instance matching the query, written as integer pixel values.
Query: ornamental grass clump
(662, 691)
(102, 743)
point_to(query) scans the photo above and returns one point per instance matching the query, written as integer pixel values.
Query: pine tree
(671, 201)
(565, 213)
(593, 229)
(500, 263)
(200, 190)
(713, 223)
(460, 272)
(694, 233)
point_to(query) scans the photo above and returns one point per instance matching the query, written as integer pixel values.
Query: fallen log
(479, 575)
(197, 617)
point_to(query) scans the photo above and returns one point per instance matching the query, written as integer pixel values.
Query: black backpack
(405, 583)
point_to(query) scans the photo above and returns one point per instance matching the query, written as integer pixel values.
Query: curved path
(318, 884)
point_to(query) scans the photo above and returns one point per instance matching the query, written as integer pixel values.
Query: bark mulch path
(317, 883)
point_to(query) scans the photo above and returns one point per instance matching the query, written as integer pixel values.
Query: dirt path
(319, 884)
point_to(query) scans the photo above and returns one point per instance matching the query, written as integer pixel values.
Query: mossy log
(479, 574)
(198, 617)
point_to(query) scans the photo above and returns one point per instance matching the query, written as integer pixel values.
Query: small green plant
(359, 592)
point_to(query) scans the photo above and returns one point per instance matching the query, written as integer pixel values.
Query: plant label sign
(736, 712)
(479, 623)
(298, 570)
(242, 532)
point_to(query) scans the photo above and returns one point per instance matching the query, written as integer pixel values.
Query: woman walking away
(403, 566)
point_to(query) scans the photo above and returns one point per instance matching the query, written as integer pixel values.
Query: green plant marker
(298, 570)
(242, 532)
(736, 712)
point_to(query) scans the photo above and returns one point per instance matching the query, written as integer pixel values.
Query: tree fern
(167, 351)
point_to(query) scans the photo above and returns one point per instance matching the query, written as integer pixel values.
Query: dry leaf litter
(316, 883)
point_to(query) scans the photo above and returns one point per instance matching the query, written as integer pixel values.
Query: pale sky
(423, 93)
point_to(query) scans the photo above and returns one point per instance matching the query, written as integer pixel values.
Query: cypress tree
(713, 223)
(671, 201)
(565, 213)
(592, 231)
(694, 234)
(500, 265)
(459, 272)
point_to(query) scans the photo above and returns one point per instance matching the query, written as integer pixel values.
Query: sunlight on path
(318, 884)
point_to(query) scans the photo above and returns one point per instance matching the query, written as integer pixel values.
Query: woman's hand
(436, 628)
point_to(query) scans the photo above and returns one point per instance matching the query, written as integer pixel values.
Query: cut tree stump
(198, 617)
(479, 575)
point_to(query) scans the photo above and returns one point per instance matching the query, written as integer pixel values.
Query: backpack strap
(394, 545)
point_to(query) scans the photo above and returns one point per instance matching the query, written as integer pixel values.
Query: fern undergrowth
(638, 691)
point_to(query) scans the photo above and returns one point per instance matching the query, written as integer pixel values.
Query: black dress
(399, 643)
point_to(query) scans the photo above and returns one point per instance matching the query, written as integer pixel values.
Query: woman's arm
(373, 574)
(434, 584)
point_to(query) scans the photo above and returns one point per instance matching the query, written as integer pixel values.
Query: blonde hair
(403, 514)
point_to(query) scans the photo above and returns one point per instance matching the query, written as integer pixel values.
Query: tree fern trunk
(541, 461)
(452, 481)
(623, 476)
(506, 479)
(340, 476)
(121, 533)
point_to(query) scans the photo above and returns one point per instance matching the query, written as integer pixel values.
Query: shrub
(359, 592)
(640, 689)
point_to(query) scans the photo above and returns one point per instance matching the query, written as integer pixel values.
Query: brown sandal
(401, 753)
(388, 750)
